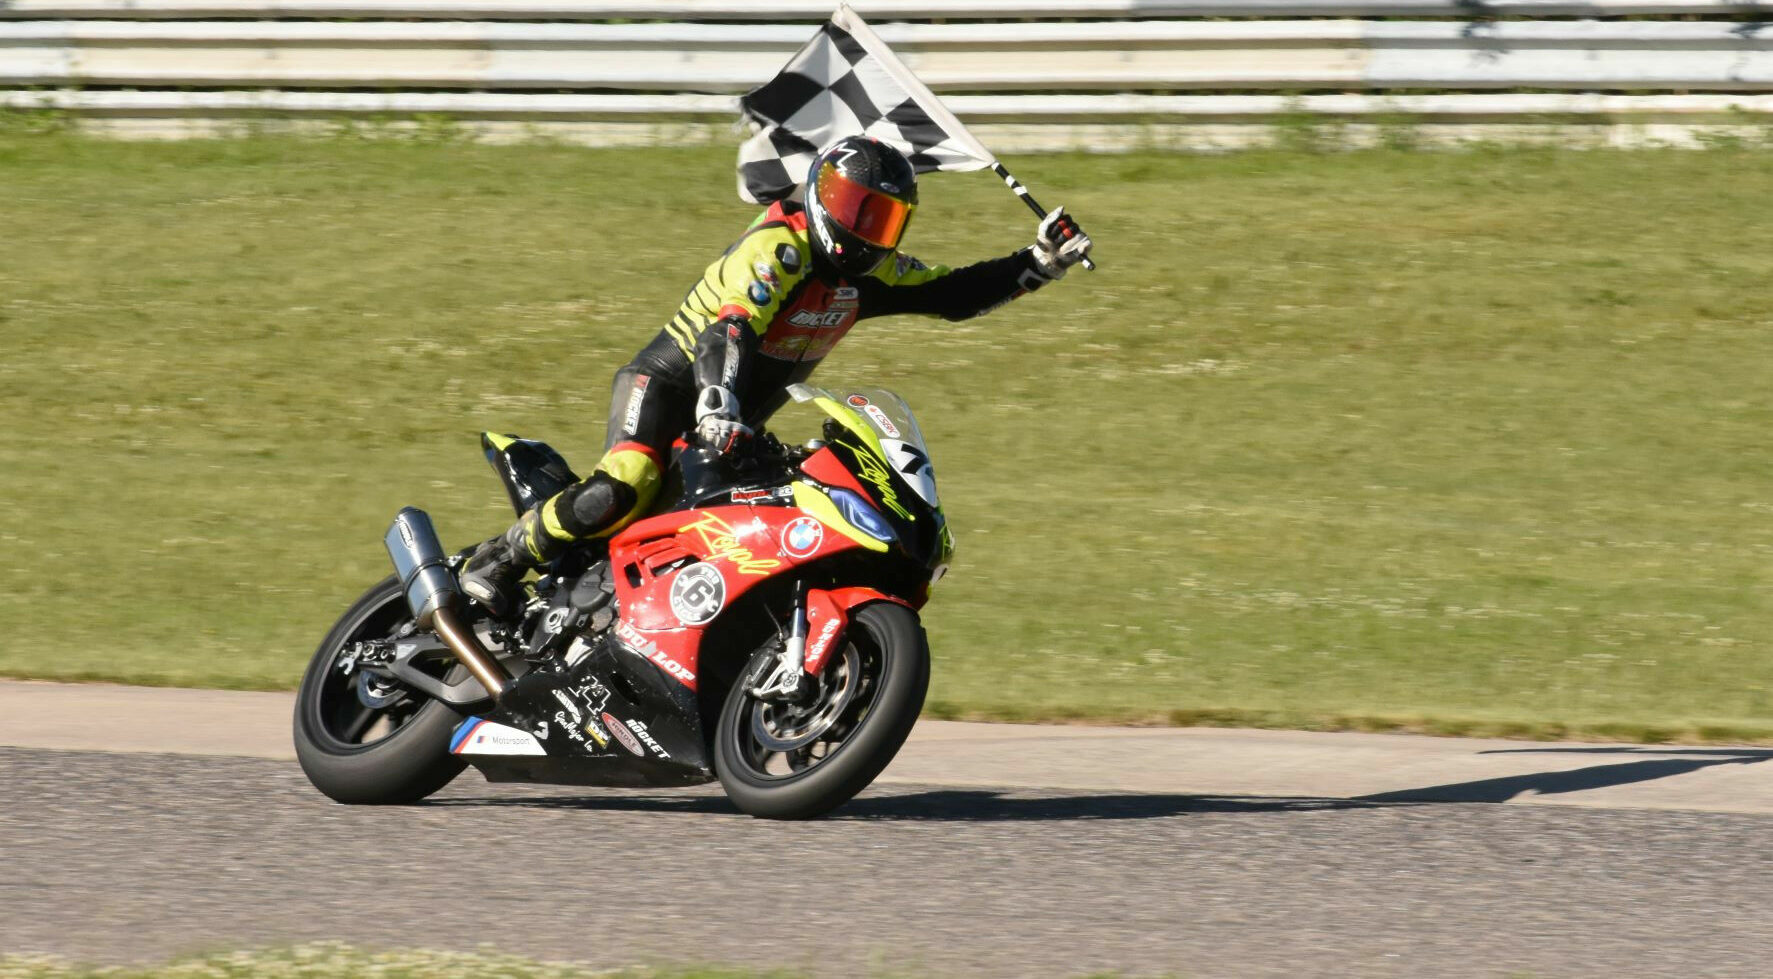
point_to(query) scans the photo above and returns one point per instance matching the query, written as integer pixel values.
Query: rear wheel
(782, 761)
(364, 738)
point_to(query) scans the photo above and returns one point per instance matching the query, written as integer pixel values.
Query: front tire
(371, 745)
(778, 763)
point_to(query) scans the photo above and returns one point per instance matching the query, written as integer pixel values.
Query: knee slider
(591, 505)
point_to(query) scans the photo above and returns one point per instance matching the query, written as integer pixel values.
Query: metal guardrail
(518, 68)
(1041, 56)
(1009, 124)
(788, 10)
(995, 108)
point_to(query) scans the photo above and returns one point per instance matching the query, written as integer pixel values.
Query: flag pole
(1020, 190)
(851, 22)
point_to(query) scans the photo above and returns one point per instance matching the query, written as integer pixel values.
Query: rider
(761, 318)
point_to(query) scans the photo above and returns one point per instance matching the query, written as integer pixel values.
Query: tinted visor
(874, 217)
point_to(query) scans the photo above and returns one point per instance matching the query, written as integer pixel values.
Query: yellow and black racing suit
(763, 315)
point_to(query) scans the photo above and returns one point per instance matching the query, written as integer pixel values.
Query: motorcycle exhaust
(431, 594)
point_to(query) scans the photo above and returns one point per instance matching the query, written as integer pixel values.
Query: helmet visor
(874, 217)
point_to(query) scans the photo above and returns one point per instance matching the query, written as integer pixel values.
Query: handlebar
(704, 468)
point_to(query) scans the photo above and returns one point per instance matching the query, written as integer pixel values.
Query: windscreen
(889, 417)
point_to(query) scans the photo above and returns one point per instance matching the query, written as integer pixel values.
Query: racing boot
(585, 509)
(492, 573)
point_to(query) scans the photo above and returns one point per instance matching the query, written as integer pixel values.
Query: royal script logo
(721, 541)
(874, 471)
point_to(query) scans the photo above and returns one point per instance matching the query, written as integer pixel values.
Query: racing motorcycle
(761, 629)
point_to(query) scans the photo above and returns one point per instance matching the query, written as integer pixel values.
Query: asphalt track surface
(115, 856)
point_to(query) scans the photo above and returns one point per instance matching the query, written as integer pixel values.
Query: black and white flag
(845, 82)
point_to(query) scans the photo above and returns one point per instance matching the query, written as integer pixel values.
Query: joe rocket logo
(807, 317)
(802, 537)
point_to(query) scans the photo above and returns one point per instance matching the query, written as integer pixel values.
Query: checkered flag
(845, 82)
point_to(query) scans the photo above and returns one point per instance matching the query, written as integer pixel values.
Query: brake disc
(787, 727)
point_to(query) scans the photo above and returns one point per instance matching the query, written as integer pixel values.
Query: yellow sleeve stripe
(711, 305)
(681, 332)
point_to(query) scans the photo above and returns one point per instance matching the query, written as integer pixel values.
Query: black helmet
(859, 198)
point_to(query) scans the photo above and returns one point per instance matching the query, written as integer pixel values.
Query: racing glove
(717, 419)
(1059, 244)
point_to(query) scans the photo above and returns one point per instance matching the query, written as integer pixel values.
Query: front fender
(828, 613)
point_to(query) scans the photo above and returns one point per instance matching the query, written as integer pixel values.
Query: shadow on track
(985, 805)
(1745, 754)
(941, 805)
(1579, 779)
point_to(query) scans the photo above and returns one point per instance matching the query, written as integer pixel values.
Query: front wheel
(782, 761)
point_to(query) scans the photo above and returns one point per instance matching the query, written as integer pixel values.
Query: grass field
(1456, 442)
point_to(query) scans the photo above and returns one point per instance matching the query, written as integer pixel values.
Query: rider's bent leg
(625, 483)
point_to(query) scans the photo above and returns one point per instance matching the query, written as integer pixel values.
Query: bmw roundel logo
(802, 537)
(760, 293)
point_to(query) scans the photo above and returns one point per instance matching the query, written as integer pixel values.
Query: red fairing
(828, 615)
(825, 623)
(825, 467)
(677, 572)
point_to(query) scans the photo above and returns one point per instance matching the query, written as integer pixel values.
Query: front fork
(789, 680)
(816, 626)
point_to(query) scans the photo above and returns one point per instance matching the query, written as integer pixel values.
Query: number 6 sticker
(698, 594)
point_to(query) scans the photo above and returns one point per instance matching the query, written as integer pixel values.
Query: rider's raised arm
(905, 285)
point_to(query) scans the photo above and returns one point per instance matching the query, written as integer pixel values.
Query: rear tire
(405, 765)
(893, 669)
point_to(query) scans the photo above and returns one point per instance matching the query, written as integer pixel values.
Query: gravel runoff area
(131, 857)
